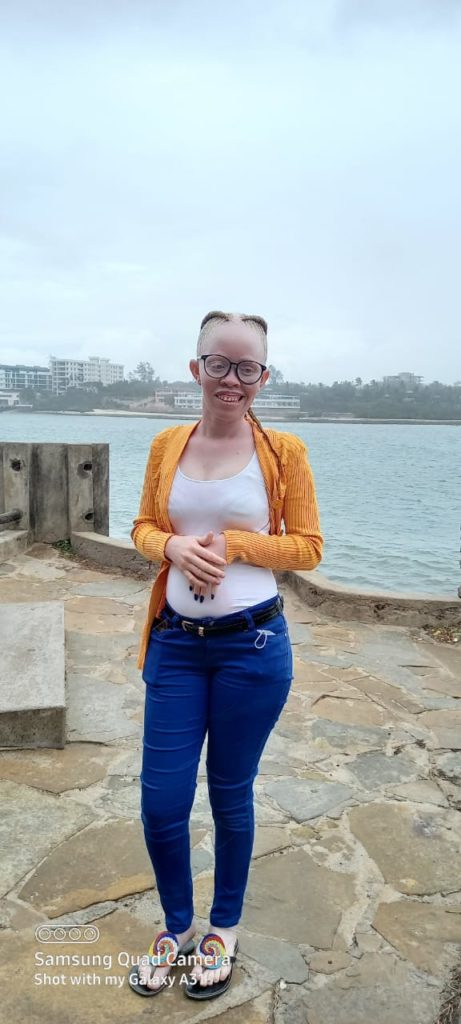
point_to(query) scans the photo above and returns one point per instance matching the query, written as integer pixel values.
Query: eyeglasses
(248, 371)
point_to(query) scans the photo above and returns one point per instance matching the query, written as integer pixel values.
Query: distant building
(8, 399)
(77, 373)
(192, 400)
(19, 376)
(60, 375)
(409, 379)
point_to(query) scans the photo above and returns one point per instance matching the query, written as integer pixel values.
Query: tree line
(376, 399)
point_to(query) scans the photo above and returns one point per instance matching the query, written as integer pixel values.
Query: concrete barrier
(56, 488)
(32, 679)
(312, 587)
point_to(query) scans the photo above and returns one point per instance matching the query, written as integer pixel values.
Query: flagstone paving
(353, 907)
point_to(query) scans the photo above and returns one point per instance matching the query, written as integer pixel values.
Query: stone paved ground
(353, 909)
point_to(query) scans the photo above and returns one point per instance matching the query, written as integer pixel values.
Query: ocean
(388, 494)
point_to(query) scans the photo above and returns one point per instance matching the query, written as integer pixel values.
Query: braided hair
(217, 316)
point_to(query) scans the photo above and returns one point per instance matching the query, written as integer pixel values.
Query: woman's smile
(229, 396)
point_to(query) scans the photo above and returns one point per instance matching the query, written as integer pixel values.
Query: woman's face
(237, 341)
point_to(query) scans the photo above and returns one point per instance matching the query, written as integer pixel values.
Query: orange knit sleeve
(302, 544)
(146, 534)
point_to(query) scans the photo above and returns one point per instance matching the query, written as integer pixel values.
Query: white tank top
(237, 502)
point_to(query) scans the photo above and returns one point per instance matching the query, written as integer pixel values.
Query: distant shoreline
(260, 415)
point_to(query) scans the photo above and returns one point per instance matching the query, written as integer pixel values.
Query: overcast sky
(299, 159)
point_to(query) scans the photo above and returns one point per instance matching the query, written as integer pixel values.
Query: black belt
(231, 627)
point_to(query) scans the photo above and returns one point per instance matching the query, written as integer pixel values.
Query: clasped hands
(201, 559)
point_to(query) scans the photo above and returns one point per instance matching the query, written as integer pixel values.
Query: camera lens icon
(66, 933)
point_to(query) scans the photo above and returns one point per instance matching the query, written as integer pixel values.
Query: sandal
(212, 945)
(165, 949)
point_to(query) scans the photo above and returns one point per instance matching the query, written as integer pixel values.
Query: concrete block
(12, 542)
(32, 675)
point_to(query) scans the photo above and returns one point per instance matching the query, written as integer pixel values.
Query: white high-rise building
(75, 373)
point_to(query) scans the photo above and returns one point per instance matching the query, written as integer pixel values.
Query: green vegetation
(375, 400)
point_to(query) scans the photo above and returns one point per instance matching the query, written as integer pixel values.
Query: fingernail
(191, 588)
(202, 597)
(195, 597)
(212, 597)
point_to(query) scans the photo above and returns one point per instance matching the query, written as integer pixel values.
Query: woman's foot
(152, 977)
(206, 976)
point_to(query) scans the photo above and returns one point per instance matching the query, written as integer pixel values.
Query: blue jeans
(233, 687)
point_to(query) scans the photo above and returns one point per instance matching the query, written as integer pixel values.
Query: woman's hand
(217, 545)
(201, 559)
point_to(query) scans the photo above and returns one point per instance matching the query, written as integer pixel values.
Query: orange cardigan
(291, 496)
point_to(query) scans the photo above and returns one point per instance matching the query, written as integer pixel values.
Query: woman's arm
(146, 535)
(302, 544)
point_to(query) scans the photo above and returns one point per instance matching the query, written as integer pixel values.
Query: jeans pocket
(272, 640)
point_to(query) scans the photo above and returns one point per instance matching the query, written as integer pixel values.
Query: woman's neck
(218, 431)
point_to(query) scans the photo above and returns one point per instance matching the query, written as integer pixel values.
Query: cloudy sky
(300, 159)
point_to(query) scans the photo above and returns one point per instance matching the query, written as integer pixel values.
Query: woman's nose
(231, 376)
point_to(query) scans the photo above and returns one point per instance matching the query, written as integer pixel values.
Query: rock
(445, 726)
(307, 798)
(280, 959)
(291, 897)
(382, 990)
(374, 769)
(96, 611)
(329, 961)
(392, 697)
(74, 767)
(449, 767)
(269, 839)
(97, 711)
(103, 862)
(27, 813)
(347, 737)
(352, 712)
(449, 687)
(420, 792)
(418, 851)
(420, 931)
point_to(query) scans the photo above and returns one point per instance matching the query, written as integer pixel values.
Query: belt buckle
(186, 622)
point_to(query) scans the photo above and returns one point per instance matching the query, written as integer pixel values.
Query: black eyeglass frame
(231, 364)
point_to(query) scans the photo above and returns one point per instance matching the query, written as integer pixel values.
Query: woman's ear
(194, 369)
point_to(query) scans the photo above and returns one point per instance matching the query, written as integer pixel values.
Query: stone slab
(32, 687)
(280, 959)
(445, 726)
(416, 848)
(352, 712)
(292, 897)
(103, 862)
(420, 932)
(77, 766)
(307, 798)
(375, 769)
(32, 823)
(449, 766)
(339, 736)
(377, 988)
(99, 711)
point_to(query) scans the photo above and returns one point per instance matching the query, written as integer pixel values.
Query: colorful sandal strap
(212, 947)
(163, 949)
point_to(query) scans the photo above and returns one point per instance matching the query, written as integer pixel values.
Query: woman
(215, 651)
